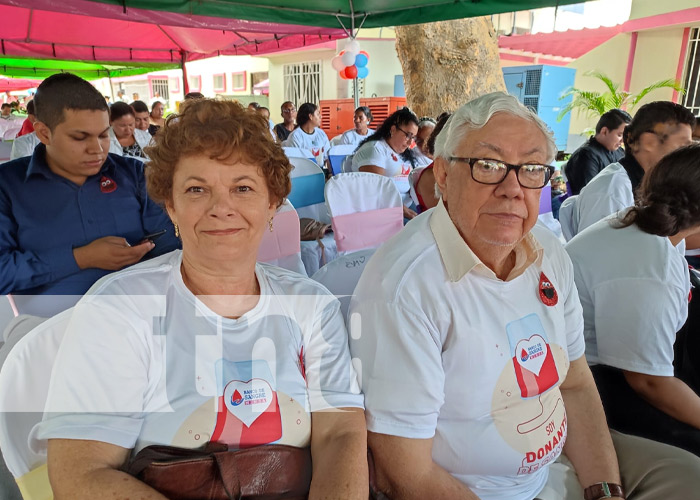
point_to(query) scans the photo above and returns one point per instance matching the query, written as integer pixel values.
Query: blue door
(514, 84)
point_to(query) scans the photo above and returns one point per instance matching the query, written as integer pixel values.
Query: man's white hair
(474, 115)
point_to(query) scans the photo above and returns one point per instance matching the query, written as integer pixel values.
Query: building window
(691, 81)
(260, 83)
(302, 82)
(160, 85)
(195, 83)
(175, 84)
(238, 81)
(219, 83)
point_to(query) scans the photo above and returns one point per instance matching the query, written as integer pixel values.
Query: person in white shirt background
(362, 119)
(426, 125)
(634, 287)
(308, 134)
(141, 115)
(6, 111)
(656, 129)
(388, 152)
(24, 146)
(265, 113)
(475, 380)
(125, 138)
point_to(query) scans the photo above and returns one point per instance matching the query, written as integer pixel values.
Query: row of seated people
(469, 378)
(603, 177)
(131, 128)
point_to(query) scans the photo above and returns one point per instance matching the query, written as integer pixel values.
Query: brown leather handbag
(267, 472)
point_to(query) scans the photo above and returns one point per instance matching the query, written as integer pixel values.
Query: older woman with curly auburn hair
(205, 345)
(634, 287)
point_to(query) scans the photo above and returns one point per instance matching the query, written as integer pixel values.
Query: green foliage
(593, 104)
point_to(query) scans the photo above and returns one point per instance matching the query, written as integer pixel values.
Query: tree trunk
(448, 63)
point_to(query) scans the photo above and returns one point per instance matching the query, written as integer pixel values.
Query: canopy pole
(185, 80)
(111, 87)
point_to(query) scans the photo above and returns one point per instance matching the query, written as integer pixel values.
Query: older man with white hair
(470, 346)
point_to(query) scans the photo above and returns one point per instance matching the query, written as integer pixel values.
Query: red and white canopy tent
(176, 31)
(151, 39)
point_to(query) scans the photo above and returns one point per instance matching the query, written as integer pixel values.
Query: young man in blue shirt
(71, 213)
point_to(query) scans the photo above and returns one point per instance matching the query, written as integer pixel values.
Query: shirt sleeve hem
(337, 401)
(393, 428)
(117, 437)
(658, 371)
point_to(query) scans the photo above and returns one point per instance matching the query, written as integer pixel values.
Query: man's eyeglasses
(408, 135)
(288, 110)
(487, 171)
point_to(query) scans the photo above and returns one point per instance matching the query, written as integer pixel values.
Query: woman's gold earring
(177, 230)
(269, 223)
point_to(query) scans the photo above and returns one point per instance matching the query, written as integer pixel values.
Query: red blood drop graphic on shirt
(107, 185)
(248, 415)
(236, 399)
(548, 293)
(394, 157)
(523, 355)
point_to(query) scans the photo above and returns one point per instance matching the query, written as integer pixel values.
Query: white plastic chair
(545, 216)
(307, 196)
(366, 210)
(44, 306)
(341, 275)
(298, 153)
(7, 313)
(568, 217)
(336, 140)
(281, 246)
(24, 385)
(337, 155)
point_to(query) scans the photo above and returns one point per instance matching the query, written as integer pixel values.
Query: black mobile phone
(154, 236)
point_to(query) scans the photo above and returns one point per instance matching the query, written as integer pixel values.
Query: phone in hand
(154, 236)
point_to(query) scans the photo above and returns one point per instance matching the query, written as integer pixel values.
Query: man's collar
(459, 259)
(39, 166)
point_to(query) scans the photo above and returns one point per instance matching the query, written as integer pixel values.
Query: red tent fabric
(571, 43)
(40, 32)
(10, 84)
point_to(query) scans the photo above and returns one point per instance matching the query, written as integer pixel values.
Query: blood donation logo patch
(107, 185)
(548, 293)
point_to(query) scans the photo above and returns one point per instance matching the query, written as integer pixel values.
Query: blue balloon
(361, 60)
(362, 72)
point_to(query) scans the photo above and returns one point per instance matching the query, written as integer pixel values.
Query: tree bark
(448, 63)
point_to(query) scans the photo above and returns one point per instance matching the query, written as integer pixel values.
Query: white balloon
(337, 63)
(353, 46)
(348, 59)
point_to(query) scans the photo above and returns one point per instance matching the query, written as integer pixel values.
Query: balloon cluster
(351, 62)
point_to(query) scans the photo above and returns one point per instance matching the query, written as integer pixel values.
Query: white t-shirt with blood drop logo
(144, 362)
(380, 154)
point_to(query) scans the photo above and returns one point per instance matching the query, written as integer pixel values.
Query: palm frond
(668, 83)
(612, 86)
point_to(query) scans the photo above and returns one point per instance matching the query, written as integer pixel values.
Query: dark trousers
(627, 412)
